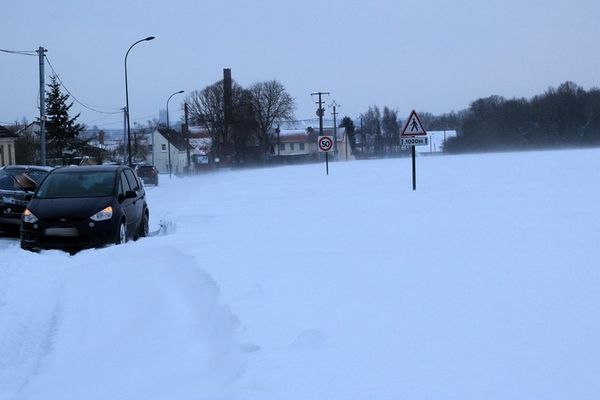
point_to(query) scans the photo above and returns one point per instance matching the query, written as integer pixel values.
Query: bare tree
(207, 107)
(270, 103)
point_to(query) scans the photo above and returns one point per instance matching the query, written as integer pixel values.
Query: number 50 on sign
(325, 143)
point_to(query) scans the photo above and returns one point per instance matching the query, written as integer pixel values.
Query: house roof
(5, 133)
(303, 135)
(176, 139)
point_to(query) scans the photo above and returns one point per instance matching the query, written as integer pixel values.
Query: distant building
(162, 140)
(301, 144)
(436, 142)
(7, 146)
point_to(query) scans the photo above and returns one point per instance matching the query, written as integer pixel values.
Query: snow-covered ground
(284, 283)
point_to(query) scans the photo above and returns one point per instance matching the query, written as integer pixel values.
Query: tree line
(560, 117)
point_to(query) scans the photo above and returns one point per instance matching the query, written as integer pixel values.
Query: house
(301, 144)
(436, 142)
(7, 146)
(163, 141)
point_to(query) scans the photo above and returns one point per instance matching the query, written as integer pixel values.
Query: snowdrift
(138, 321)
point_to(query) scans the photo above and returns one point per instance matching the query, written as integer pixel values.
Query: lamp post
(127, 97)
(168, 129)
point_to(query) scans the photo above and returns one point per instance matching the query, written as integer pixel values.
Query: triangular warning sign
(413, 126)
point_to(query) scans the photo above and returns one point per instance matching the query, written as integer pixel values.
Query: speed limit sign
(325, 143)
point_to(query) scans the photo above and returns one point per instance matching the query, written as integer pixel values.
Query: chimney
(227, 94)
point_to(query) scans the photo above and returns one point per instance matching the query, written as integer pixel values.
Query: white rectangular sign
(415, 141)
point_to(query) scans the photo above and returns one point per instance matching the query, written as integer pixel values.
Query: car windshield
(77, 184)
(21, 179)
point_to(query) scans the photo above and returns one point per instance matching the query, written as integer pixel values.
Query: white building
(7, 147)
(164, 141)
(302, 143)
(436, 142)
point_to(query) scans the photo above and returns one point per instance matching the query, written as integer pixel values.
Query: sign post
(325, 146)
(414, 134)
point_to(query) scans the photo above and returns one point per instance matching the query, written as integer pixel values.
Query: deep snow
(284, 283)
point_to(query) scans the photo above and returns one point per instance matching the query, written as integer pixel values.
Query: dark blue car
(82, 207)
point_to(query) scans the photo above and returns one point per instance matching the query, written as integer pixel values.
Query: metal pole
(124, 133)
(127, 97)
(169, 133)
(187, 134)
(169, 139)
(414, 169)
(41, 53)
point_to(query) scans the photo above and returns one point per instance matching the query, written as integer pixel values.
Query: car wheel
(144, 227)
(122, 233)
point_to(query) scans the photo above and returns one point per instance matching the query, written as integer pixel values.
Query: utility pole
(320, 111)
(335, 144)
(41, 53)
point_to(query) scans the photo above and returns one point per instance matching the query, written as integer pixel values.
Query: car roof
(29, 167)
(90, 168)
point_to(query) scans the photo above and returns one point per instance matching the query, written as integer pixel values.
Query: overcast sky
(430, 55)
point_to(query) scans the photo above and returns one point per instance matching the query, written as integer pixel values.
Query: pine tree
(349, 125)
(62, 131)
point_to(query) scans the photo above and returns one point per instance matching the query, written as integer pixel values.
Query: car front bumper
(69, 235)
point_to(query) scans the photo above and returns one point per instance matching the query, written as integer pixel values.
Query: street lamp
(127, 97)
(168, 129)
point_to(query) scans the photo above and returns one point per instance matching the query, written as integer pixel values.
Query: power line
(22, 53)
(73, 96)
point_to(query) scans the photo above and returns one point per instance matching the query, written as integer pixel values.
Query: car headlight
(103, 214)
(29, 217)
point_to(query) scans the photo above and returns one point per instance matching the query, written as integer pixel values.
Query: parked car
(148, 174)
(16, 183)
(82, 207)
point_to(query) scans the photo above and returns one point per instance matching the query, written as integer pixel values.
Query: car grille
(63, 220)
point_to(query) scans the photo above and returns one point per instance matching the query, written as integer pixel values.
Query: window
(124, 184)
(301, 146)
(291, 146)
(281, 146)
(163, 147)
(150, 148)
(133, 182)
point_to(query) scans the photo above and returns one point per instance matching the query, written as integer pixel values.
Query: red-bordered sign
(413, 126)
(325, 143)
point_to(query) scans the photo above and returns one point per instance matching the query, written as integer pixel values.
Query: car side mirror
(130, 194)
(28, 196)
